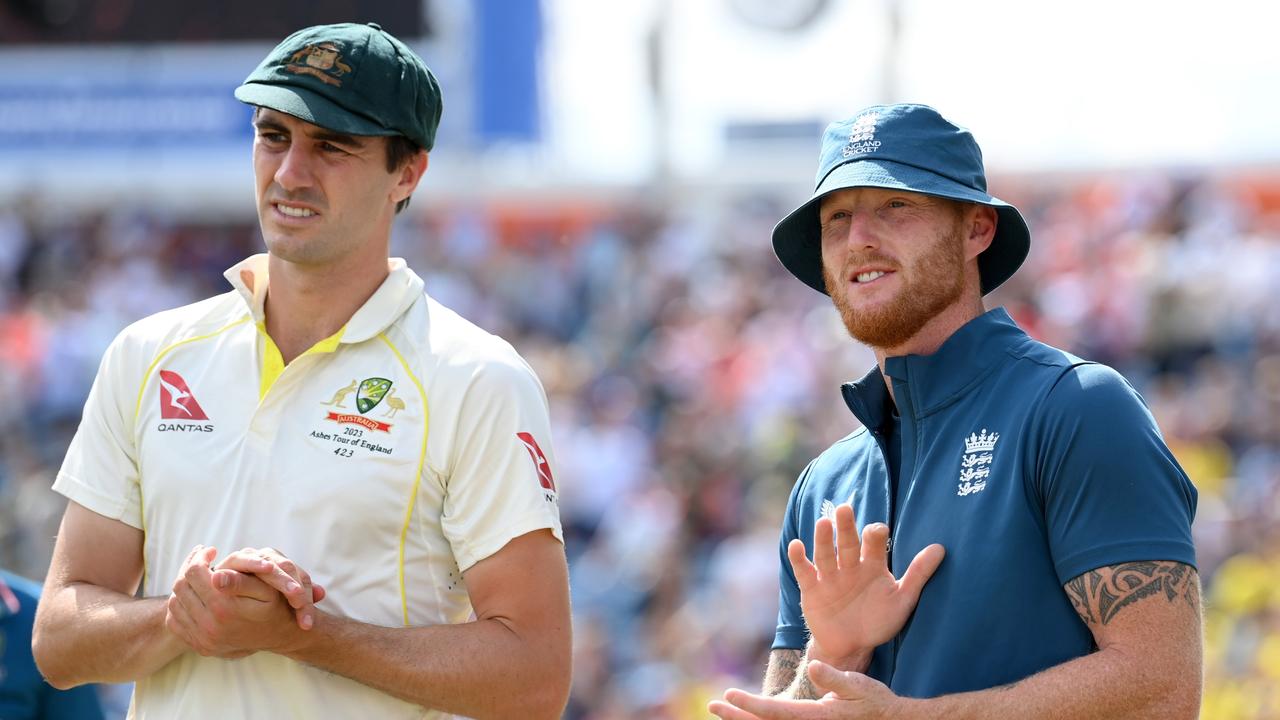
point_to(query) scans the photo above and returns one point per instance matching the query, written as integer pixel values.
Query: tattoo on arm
(1099, 595)
(783, 665)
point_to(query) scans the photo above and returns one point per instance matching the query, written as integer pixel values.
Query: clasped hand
(250, 601)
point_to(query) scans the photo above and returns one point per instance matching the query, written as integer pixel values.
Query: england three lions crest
(975, 466)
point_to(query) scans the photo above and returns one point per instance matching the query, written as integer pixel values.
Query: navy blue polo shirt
(1030, 466)
(24, 695)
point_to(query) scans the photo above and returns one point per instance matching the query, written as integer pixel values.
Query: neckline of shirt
(393, 298)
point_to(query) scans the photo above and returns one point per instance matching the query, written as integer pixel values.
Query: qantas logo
(539, 461)
(176, 400)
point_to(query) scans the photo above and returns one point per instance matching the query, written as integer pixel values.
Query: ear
(979, 225)
(409, 174)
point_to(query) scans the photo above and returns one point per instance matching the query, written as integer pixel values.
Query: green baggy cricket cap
(349, 78)
(901, 147)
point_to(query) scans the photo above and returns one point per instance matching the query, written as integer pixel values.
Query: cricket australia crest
(975, 466)
(371, 392)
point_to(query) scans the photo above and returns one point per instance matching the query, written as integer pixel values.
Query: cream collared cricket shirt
(386, 460)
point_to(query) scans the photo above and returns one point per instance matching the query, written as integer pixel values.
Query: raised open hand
(850, 599)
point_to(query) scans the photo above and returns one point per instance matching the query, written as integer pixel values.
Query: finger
(243, 585)
(725, 711)
(178, 621)
(191, 556)
(270, 573)
(317, 592)
(200, 579)
(245, 561)
(185, 594)
(824, 550)
(847, 545)
(300, 598)
(922, 567)
(298, 593)
(847, 685)
(194, 606)
(304, 615)
(806, 573)
(874, 545)
(771, 708)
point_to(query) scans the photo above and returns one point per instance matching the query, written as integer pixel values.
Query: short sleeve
(100, 470)
(501, 482)
(1112, 490)
(792, 633)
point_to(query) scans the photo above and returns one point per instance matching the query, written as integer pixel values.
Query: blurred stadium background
(602, 194)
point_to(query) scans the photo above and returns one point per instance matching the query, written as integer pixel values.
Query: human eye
(835, 216)
(331, 148)
(271, 137)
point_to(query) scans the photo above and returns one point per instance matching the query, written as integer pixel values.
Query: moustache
(276, 194)
(855, 261)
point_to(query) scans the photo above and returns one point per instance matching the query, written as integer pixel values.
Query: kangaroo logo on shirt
(176, 400)
(539, 461)
(975, 466)
(370, 392)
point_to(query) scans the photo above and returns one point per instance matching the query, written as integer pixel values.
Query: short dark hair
(399, 150)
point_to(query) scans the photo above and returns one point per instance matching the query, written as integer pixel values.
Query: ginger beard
(933, 281)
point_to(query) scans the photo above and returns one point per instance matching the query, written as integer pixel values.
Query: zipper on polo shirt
(906, 480)
(890, 520)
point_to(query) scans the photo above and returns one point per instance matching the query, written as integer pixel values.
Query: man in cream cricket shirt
(336, 494)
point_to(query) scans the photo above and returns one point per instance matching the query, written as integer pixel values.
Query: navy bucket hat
(903, 147)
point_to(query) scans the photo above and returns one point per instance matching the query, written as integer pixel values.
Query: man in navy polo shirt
(1026, 534)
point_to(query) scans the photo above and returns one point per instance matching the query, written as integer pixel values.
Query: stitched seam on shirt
(417, 478)
(137, 409)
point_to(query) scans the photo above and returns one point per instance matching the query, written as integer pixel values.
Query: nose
(294, 171)
(863, 232)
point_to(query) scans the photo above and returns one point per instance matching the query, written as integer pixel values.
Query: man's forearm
(480, 669)
(1106, 685)
(88, 634)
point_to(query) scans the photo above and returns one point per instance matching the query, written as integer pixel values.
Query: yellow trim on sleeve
(417, 478)
(273, 361)
(137, 410)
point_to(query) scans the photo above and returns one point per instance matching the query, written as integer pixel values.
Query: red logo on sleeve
(539, 461)
(176, 400)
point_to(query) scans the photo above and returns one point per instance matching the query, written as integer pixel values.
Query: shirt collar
(401, 288)
(867, 398)
(937, 379)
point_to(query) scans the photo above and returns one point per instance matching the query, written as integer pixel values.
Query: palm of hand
(850, 599)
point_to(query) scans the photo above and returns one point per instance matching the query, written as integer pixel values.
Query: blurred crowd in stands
(691, 379)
